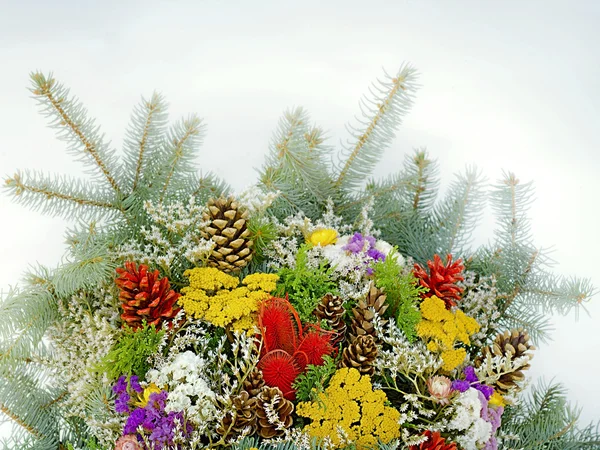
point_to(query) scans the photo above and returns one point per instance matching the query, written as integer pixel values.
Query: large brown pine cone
(228, 229)
(360, 355)
(145, 296)
(512, 345)
(243, 418)
(362, 320)
(331, 309)
(254, 382)
(283, 409)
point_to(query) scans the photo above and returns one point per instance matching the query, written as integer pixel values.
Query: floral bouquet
(317, 308)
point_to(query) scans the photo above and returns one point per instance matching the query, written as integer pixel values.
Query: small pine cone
(254, 382)
(283, 409)
(145, 296)
(512, 345)
(360, 355)
(362, 320)
(243, 418)
(228, 229)
(331, 309)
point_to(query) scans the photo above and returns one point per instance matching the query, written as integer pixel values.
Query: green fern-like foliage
(314, 381)
(402, 292)
(130, 354)
(305, 285)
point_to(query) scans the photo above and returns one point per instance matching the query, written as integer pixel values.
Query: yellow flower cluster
(323, 237)
(220, 299)
(443, 329)
(351, 411)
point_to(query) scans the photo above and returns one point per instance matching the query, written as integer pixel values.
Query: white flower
(467, 418)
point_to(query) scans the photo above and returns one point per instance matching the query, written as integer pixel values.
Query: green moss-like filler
(305, 285)
(403, 293)
(129, 356)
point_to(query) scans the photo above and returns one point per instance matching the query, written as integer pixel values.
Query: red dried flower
(287, 347)
(145, 296)
(441, 279)
(434, 442)
(279, 324)
(316, 344)
(280, 370)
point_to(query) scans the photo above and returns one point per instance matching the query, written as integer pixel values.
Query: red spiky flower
(280, 370)
(434, 441)
(145, 296)
(279, 324)
(287, 347)
(316, 344)
(441, 279)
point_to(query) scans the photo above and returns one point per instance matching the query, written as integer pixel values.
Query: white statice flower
(480, 302)
(473, 430)
(256, 200)
(173, 235)
(188, 388)
(80, 341)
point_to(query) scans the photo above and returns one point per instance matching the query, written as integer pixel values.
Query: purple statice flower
(123, 388)
(356, 244)
(158, 425)
(494, 417)
(122, 403)
(486, 390)
(492, 444)
(471, 380)
(134, 382)
(461, 385)
(375, 254)
(470, 374)
(364, 244)
(120, 385)
(135, 419)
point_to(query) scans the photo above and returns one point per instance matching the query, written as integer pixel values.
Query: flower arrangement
(311, 310)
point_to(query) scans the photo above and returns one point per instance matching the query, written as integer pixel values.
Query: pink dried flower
(440, 388)
(128, 442)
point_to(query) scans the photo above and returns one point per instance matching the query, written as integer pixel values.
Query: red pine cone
(441, 279)
(434, 442)
(145, 296)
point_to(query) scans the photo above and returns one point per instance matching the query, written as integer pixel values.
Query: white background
(505, 85)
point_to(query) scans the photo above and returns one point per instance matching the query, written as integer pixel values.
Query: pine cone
(360, 355)
(145, 296)
(441, 279)
(511, 344)
(331, 309)
(254, 382)
(362, 322)
(243, 418)
(228, 228)
(283, 409)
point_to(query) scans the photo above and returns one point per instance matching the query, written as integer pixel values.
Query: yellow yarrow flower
(219, 298)
(323, 237)
(351, 405)
(442, 329)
